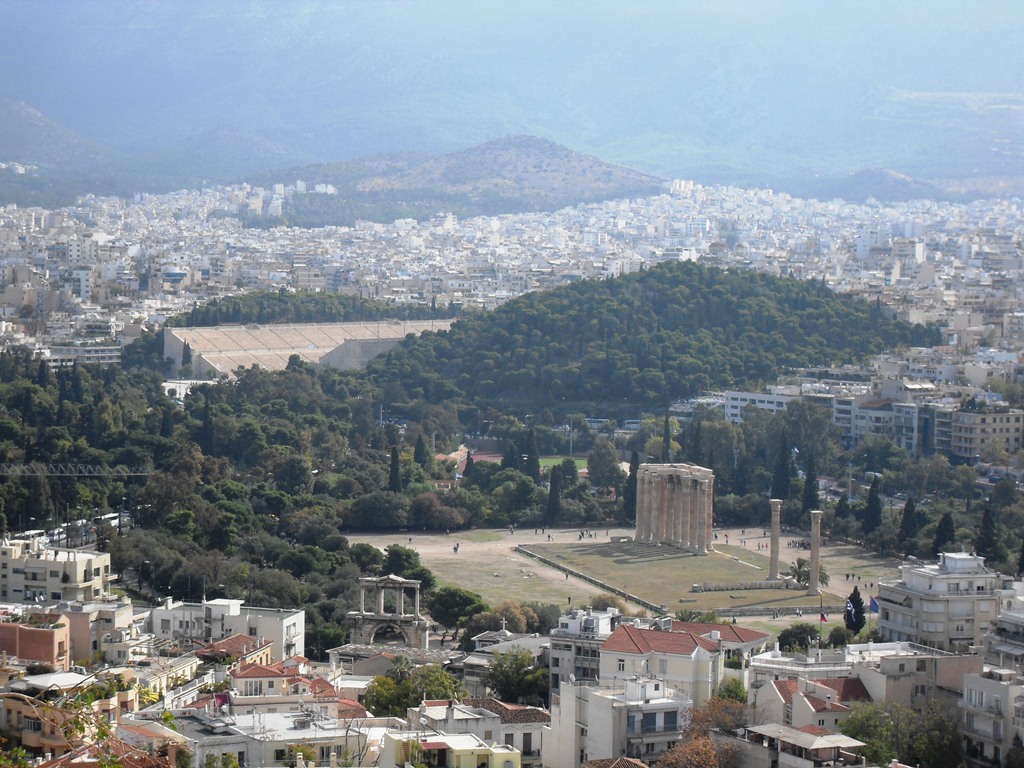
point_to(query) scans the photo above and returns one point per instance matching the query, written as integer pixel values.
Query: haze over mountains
(116, 94)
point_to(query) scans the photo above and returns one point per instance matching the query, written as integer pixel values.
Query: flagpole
(821, 617)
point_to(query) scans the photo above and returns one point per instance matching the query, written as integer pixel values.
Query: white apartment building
(215, 620)
(949, 605)
(639, 717)
(576, 643)
(33, 572)
(991, 713)
(691, 664)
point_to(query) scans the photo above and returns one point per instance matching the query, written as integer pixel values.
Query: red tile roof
(253, 670)
(511, 713)
(730, 633)
(629, 639)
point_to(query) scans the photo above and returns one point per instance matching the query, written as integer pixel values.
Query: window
(554, 661)
(510, 740)
(663, 666)
(280, 755)
(621, 663)
(922, 665)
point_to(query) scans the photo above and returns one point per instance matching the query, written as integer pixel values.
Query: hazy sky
(763, 86)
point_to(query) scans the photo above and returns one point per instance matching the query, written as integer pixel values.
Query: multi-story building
(34, 722)
(214, 620)
(32, 572)
(637, 717)
(991, 713)
(949, 605)
(690, 664)
(456, 750)
(42, 640)
(513, 725)
(576, 643)
(824, 703)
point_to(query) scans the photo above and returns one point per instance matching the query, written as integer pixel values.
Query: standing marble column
(773, 562)
(815, 565)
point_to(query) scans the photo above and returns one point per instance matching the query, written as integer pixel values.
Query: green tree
(783, 473)
(451, 607)
(395, 472)
(512, 458)
(553, 513)
(986, 543)
(945, 534)
(799, 636)
(666, 442)
(733, 689)
(871, 517)
(603, 465)
(513, 677)
(910, 523)
(801, 572)
(420, 454)
(853, 616)
(531, 465)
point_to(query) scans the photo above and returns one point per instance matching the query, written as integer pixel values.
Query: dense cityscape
(80, 283)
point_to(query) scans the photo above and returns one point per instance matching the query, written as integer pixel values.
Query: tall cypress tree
(553, 512)
(666, 442)
(420, 454)
(468, 469)
(532, 466)
(986, 541)
(945, 533)
(395, 475)
(872, 517)
(910, 525)
(853, 616)
(783, 471)
(695, 443)
(1020, 560)
(511, 458)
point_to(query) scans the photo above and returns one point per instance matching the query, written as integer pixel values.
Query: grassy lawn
(487, 563)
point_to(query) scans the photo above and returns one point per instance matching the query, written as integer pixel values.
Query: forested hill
(641, 340)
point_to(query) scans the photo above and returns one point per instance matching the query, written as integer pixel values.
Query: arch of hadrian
(673, 506)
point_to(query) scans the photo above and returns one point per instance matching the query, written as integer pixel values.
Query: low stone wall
(743, 585)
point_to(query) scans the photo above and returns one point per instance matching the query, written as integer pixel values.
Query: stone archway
(367, 623)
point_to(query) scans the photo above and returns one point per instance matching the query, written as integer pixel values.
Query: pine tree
(910, 525)
(945, 533)
(629, 491)
(872, 515)
(554, 509)
(853, 616)
(783, 471)
(395, 475)
(811, 499)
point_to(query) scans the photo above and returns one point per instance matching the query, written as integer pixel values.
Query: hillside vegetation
(642, 340)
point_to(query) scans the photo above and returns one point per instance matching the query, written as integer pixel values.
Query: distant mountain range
(519, 173)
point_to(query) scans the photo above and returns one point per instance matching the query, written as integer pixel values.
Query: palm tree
(401, 668)
(801, 572)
